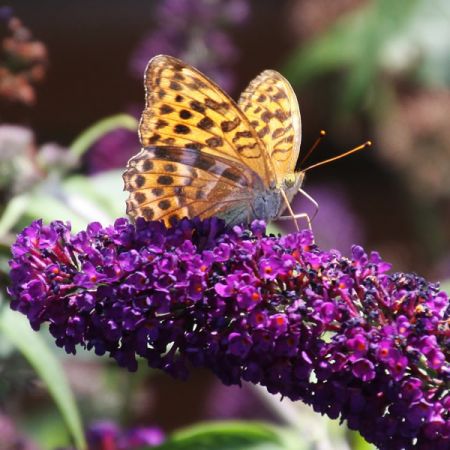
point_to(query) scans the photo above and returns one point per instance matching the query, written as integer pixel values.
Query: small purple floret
(107, 435)
(340, 334)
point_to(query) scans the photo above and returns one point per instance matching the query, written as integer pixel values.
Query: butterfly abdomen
(266, 205)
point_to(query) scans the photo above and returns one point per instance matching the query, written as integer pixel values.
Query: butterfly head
(291, 183)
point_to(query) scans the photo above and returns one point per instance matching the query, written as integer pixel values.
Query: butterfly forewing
(271, 106)
(185, 109)
(168, 183)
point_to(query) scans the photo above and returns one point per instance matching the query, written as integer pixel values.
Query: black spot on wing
(170, 167)
(175, 86)
(197, 106)
(185, 114)
(230, 125)
(140, 181)
(180, 128)
(234, 176)
(154, 139)
(148, 213)
(157, 192)
(205, 124)
(140, 197)
(147, 165)
(214, 142)
(166, 109)
(165, 180)
(164, 204)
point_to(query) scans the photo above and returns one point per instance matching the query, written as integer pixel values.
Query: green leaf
(104, 190)
(46, 427)
(359, 443)
(47, 207)
(273, 229)
(334, 49)
(14, 210)
(87, 138)
(80, 200)
(231, 436)
(17, 329)
(354, 43)
(445, 286)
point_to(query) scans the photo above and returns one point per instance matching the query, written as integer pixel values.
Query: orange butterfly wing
(185, 109)
(169, 183)
(272, 108)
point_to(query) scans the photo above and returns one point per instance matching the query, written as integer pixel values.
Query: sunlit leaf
(48, 207)
(232, 436)
(103, 192)
(359, 443)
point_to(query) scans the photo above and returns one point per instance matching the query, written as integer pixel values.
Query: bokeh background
(71, 89)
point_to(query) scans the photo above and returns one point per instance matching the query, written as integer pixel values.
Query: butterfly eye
(289, 180)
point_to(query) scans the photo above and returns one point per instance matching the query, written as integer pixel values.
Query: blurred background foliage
(70, 95)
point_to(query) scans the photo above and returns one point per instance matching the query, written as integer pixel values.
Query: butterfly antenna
(290, 209)
(313, 147)
(353, 150)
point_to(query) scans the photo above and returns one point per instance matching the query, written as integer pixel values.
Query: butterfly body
(205, 155)
(269, 204)
(265, 205)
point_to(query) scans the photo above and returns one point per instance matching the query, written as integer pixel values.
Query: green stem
(87, 138)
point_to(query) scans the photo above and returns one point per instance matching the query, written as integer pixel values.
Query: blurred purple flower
(193, 30)
(235, 402)
(338, 333)
(336, 224)
(113, 150)
(6, 12)
(11, 438)
(107, 435)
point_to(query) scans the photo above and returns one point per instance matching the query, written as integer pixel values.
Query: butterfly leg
(302, 215)
(316, 205)
(289, 208)
(297, 216)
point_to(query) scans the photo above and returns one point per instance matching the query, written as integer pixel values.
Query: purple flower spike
(340, 334)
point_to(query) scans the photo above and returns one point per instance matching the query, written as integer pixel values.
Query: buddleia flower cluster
(339, 333)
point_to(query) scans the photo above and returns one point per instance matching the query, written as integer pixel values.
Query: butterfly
(205, 155)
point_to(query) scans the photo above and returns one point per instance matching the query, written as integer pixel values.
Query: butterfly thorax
(267, 204)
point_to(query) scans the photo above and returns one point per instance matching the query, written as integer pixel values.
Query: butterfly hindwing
(271, 106)
(187, 110)
(168, 183)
